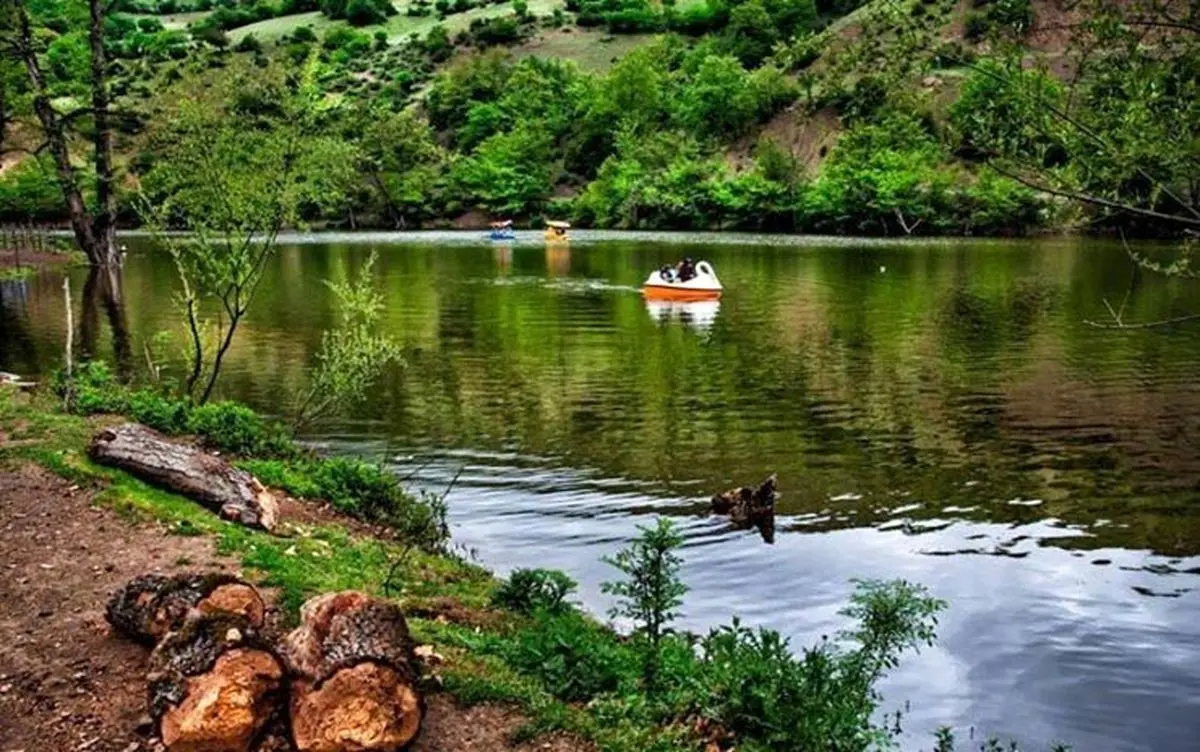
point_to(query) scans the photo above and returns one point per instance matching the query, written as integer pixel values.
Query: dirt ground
(67, 684)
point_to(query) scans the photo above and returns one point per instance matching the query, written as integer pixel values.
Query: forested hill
(887, 118)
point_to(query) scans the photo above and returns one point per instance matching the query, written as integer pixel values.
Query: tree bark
(354, 676)
(96, 236)
(150, 606)
(215, 684)
(202, 477)
(104, 227)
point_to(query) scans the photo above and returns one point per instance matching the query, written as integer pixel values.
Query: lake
(934, 410)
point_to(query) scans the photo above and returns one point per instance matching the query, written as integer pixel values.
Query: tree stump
(150, 606)
(234, 494)
(214, 685)
(354, 676)
(748, 507)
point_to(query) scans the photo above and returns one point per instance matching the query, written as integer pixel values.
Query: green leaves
(529, 590)
(353, 355)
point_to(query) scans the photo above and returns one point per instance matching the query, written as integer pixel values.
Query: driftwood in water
(214, 684)
(354, 676)
(150, 606)
(748, 507)
(206, 478)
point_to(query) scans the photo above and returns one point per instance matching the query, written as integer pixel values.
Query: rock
(354, 686)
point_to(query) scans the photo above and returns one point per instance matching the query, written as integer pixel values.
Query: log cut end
(224, 709)
(214, 684)
(355, 686)
(365, 707)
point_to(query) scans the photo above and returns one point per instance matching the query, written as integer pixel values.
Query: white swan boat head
(663, 285)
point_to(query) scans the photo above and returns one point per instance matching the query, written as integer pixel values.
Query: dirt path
(67, 684)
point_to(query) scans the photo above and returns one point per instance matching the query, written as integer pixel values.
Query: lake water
(937, 411)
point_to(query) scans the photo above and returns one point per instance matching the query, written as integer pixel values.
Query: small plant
(652, 591)
(352, 355)
(160, 413)
(235, 428)
(529, 590)
(574, 658)
(751, 685)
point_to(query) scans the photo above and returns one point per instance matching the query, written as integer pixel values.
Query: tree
(1120, 134)
(95, 226)
(653, 591)
(236, 163)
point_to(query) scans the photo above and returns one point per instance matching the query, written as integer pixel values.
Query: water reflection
(951, 421)
(697, 314)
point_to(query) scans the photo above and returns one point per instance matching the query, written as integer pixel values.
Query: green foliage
(232, 427)
(352, 356)
(529, 590)
(235, 165)
(162, 413)
(752, 685)
(574, 658)
(652, 591)
(30, 190)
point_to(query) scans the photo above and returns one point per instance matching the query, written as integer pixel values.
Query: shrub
(248, 43)
(304, 34)
(652, 590)
(530, 590)
(90, 389)
(977, 25)
(233, 427)
(574, 658)
(160, 413)
(752, 685)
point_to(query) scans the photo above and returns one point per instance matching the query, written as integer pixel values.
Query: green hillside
(889, 117)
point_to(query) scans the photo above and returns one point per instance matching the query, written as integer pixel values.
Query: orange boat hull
(656, 292)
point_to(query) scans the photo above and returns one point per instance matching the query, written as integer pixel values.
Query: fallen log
(354, 676)
(148, 607)
(203, 477)
(749, 507)
(214, 685)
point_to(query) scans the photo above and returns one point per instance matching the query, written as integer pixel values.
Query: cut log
(354, 676)
(748, 507)
(214, 685)
(203, 477)
(150, 606)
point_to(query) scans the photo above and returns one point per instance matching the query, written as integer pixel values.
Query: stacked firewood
(220, 681)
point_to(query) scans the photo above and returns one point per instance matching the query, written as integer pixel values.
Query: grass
(317, 559)
(593, 50)
(397, 27)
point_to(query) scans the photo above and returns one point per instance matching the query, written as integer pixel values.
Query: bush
(233, 427)
(575, 659)
(248, 43)
(977, 26)
(161, 413)
(752, 685)
(529, 590)
(90, 389)
(304, 34)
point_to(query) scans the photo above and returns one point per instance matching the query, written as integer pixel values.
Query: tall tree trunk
(104, 227)
(100, 249)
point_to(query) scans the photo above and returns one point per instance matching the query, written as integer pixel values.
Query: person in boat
(667, 272)
(685, 269)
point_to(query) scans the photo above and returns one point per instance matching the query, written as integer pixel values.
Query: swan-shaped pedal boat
(703, 286)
